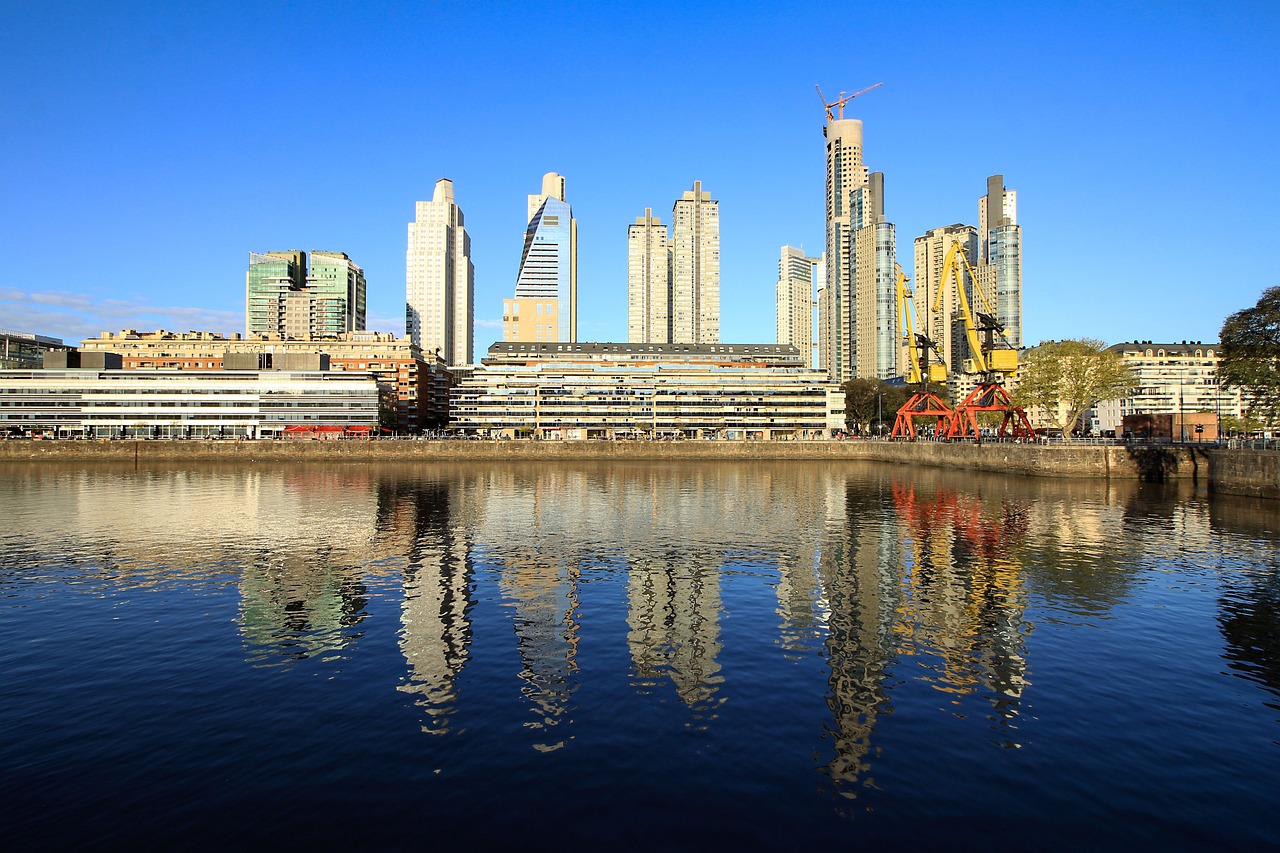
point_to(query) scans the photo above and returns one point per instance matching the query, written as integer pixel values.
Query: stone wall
(1249, 472)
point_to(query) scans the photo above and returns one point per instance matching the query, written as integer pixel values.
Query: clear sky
(147, 148)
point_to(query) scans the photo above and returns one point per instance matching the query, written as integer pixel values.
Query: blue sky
(147, 148)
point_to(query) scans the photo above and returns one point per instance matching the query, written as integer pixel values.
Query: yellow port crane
(915, 342)
(985, 357)
(842, 100)
(988, 360)
(923, 403)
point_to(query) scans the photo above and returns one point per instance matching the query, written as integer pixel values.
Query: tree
(1250, 355)
(867, 399)
(1065, 379)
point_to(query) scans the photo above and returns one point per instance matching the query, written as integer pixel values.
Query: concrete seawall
(1247, 472)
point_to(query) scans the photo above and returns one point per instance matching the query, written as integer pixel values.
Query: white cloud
(76, 316)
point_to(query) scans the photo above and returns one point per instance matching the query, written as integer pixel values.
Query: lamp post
(879, 414)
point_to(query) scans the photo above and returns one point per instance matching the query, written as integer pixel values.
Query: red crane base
(923, 404)
(989, 397)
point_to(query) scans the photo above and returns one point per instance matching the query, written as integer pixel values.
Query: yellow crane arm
(908, 329)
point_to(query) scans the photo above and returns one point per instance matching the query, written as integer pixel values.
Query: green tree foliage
(1250, 351)
(1064, 379)
(865, 399)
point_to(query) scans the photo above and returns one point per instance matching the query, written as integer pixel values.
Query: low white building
(1173, 379)
(108, 403)
(640, 390)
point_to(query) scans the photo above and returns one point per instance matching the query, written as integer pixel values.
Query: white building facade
(440, 279)
(648, 280)
(796, 294)
(618, 391)
(695, 268)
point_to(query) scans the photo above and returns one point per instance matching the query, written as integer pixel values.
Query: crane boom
(844, 98)
(985, 358)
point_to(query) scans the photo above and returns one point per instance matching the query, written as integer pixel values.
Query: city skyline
(131, 137)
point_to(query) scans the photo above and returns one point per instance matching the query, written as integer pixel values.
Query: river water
(644, 656)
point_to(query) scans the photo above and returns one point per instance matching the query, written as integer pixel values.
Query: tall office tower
(282, 298)
(337, 294)
(873, 276)
(796, 274)
(648, 281)
(695, 268)
(845, 173)
(999, 269)
(943, 327)
(440, 279)
(545, 305)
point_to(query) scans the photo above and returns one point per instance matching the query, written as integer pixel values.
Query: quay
(1228, 470)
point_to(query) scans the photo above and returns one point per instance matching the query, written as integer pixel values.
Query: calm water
(643, 656)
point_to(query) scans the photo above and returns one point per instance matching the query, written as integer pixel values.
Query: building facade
(92, 403)
(421, 382)
(695, 268)
(613, 390)
(648, 280)
(944, 326)
(999, 267)
(845, 174)
(1172, 379)
(545, 305)
(440, 279)
(797, 276)
(337, 289)
(876, 348)
(284, 297)
(20, 350)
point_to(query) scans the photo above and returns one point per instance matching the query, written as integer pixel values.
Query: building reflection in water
(435, 626)
(299, 606)
(529, 534)
(965, 593)
(305, 535)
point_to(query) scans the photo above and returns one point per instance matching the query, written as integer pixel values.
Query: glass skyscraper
(545, 305)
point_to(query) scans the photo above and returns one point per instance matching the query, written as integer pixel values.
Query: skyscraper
(283, 298)
(795, 299)
(999, 269)
(845, 174)
(695, 268)
(648, 281)
(873, 279)
(545, 305)
(440, 279)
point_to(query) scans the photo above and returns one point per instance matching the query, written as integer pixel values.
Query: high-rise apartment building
(545, 305)
(283, 298)
(944, 326)
(876, 349)
(695, 268)
(845, 174)
(648, 280)
(999, 269)
(337, 294)
(795, 299)
(440, 279)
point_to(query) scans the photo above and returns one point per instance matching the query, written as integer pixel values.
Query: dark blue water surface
(642, 656)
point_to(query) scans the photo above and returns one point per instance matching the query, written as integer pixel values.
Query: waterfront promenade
(1233, 471)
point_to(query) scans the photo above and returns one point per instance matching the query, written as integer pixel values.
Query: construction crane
(991, 357)
(842, 100)
(923, 403)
